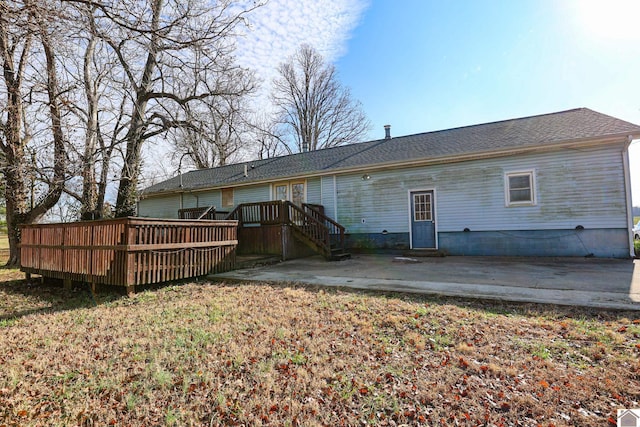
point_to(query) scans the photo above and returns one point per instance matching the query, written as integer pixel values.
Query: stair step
(339, 256)
(425, 253)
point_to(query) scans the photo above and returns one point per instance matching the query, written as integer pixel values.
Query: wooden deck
(128, 251)
(283, 228)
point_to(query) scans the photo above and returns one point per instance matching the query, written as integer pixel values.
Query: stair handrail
(259, 213)
(234, 214)
(203, 214)
(333, 224)
(196, 213)
(309, 221)
(322, 238)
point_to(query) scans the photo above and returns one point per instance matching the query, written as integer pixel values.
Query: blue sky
(423, 65)
(428, 65)
(438, 64)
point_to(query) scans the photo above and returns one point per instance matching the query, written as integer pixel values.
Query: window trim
(531, 173)
(304, 190)
(430, 211)
(289, 185)
(275, 191)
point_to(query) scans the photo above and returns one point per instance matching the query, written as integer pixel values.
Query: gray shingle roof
(527, 132)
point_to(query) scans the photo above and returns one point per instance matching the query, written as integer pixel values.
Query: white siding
(380, 201)
(328, 196)
(159, 207)
(314, 191)
(210, 198)
(190, 201)
(573, 188)
(200, 199)
(251, 194)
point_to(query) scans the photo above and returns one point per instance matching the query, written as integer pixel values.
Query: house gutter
(566, 144)
(627, 190)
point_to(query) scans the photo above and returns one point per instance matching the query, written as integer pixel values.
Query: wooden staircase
(331, 236)
(307, 222)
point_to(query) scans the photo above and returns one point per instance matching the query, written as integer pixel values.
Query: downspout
(180, 185)
(627, 190)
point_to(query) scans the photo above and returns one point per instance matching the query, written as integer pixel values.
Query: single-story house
(555, 184)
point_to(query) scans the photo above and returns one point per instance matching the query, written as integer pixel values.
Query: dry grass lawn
(4, 241)
(206, 354)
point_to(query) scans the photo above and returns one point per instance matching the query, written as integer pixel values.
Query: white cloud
(279, 27)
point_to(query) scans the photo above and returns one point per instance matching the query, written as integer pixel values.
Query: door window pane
(422, 207)
(297, 193)
(281, 192)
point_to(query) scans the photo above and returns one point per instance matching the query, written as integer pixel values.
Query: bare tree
(85, 83)
(101, 99)
(314, 108)
(27, 39)
(268, 136)
(218, 129)
(171, 53)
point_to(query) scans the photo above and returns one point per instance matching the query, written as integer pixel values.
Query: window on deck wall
(520, 188)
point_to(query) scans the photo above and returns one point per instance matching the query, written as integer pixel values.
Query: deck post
(284, 213)
(131, 291)
(66, 283)
(130, 239)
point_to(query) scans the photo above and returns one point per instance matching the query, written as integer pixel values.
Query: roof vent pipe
(387, 131)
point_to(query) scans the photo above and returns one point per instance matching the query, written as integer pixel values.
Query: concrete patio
(588, 282)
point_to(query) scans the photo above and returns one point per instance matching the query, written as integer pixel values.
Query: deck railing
(128, 251)
(324, 232)
(335, 230)
(206, 212)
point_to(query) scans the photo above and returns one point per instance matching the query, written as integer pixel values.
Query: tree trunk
(14, 147)
(128, 188)
(14, 142)
(126, 202)
(16, 199)
(89, 190)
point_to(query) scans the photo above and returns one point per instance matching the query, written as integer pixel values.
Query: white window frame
(531, 173)
(430, 211)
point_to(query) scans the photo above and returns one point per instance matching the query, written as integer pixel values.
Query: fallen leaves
(257, 354)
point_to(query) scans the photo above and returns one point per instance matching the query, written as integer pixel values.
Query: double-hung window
(520, 188)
